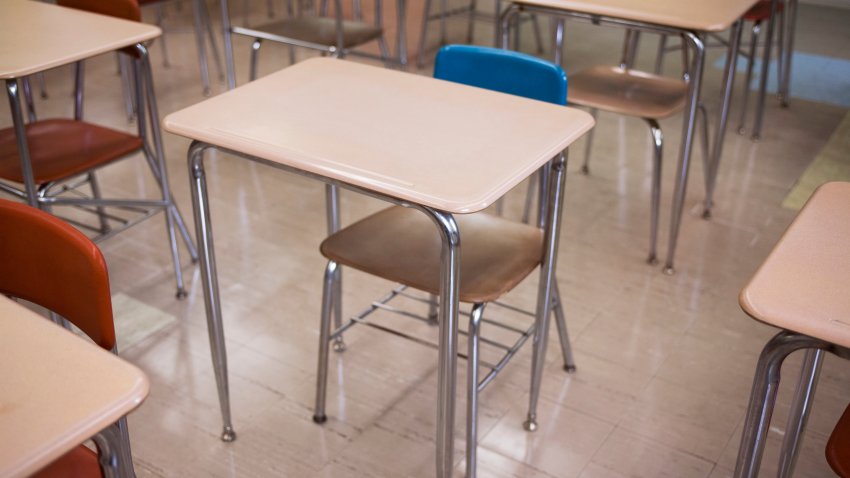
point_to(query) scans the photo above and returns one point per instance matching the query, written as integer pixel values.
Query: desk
(690, 18)
(56, 36)
(47, 407)
(401, 39)
(437, 146)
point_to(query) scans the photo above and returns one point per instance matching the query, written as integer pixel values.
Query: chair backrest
(49, 263)
(838, 445)
(502, 70)
(126, 9)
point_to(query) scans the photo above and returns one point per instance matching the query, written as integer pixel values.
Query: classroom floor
(665, 363)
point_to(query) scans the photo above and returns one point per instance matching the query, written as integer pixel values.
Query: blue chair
(402, 245)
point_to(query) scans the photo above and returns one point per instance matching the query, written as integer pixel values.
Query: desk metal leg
(447, 365)
(145, 77)
(687, 145)
(14, 93)
(401, 33)
(717, 150)
(547, 283)
(763, 396)
(209, 276)
(787, 51)
(765, 71)
(228, 45)
(801, 407)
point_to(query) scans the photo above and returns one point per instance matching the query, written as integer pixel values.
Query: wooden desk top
(694, 15)
(803, 284)
(56, 390)
(448, 146)
(36, 36)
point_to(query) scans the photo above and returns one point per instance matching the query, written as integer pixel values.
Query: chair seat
(403, 245)
(77, 463)
(320, 31)
(61, 148)
(628, 92)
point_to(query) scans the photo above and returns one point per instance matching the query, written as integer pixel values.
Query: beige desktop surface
(36, 36)
(56, 390)
(697, 15)
(802, 285)
(448, 146)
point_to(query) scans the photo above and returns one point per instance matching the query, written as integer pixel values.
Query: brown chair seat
(316, 30)
(403, 245)
(77, 463)
(60, 148)
(628, 92)
(838, 446)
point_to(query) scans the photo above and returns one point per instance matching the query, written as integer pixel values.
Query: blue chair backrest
(502, 70)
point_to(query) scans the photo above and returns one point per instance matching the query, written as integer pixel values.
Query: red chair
(838, 446)
(63, 151)
(50, 263)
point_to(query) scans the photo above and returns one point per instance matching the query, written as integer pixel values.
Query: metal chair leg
(101, 212)
(255, 53)
(748, 77)
(563, 334)
(420, 55)
(588, 145)
(470, 24)
(655, 196)
(659, 59)
(474, 333)
(201, 45)
(319, 415)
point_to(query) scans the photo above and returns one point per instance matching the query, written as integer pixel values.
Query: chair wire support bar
(383, 304)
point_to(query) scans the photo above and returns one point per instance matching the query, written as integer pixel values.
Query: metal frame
(448, 305)
(695, 42)
(763, 399)
(228, 30)
(472, 14)
(43, 197)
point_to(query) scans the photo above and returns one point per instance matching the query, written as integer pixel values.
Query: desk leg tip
(530, 425)
(181, 293)
(339, 346)
(669, 270)
(320, 419)
(570, 368)
(228, 435)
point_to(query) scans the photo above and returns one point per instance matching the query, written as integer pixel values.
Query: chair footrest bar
(382, 304)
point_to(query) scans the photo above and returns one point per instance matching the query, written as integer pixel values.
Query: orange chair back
(126, 9)
(47, 262)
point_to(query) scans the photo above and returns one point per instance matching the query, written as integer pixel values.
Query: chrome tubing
(328, 291)
(230, 67)
(686, 147)
(145, 77)
(763, 395)
(801, 408)
(472, 390)
(728, 82)
(588, 145)
(547, 279)
(209, 278)
(563, 333)
(655, 197)
(447, 361)
(765, 71)
(13, 91)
